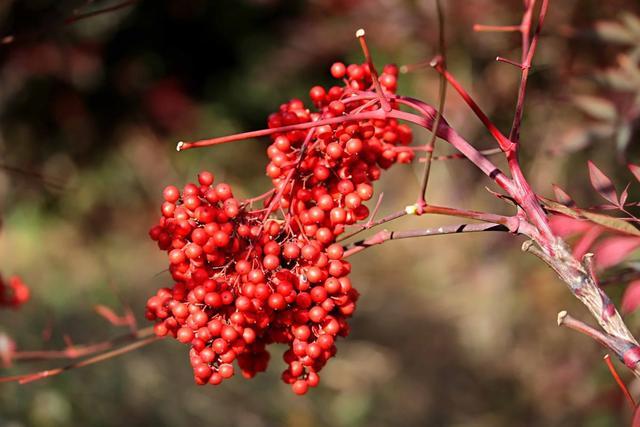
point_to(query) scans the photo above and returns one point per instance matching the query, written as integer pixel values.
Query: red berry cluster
(334, 175)
(13, 293)
(245, 279)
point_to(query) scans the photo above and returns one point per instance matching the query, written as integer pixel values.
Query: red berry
(205, 178)
(317, 94)
(338, 70)
(226, 370)
(185, 335)
(300, 387)
(171, 194)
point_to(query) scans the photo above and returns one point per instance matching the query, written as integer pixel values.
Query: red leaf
(602, 184)
(588, 239)
(635, 170)
(631, 297)
(624, 195)
(564, 226)
(613, 250)
(562, 196)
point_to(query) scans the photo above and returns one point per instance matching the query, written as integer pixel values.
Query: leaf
(598, 108)
(562, 196)
(631, 300)
(602, 184)
(623, 137)
(559, 208)
(614, 250)
(635, 170)
(624, 195)
(614, 32)
(631, 21)
(611, 222)
(564, 226)
(586, 242)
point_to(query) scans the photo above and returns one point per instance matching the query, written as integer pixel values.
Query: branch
(627, 351)
(79, 17)
(527, 57)
(496, 28)
(384, 102)
(8, 39)
(75, 352)
(26, 378)
(621, 384)
(470, 152)
(386, 235)
(502, 140)
(512, 224)
(583, 285)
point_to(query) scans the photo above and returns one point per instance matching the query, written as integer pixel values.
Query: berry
(338, 70)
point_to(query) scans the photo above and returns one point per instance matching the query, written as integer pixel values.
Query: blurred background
(451, 331)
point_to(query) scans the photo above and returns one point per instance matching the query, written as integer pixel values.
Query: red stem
(621, 384)
(502, 140)
(528, 50)
(448, 134)
(368, 115)
(384, 103)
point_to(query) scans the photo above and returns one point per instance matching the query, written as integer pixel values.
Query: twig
(528, 52)
(91, 14)
(26, 378)
(76, 352)
(628, 352)
(384, 103)
(502, 140)
(621, 384)
(442, 94)
(11, 38)
(496, 28)
(509, 61)
(386, 235)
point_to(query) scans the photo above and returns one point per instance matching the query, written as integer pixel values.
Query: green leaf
(614, 32)
(598, 108)
(559, 208)
(611, 222)
(632, 22)
(623, 137)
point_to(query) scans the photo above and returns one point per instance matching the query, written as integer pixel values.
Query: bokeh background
(450, 331)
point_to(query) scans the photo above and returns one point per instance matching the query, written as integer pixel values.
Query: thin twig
(76, 352)
(384, 103)
(528, 52)
(79, 17)
(11, 38)
(496, 28)
(442, 94)
(386, 235)
(26, 378)
(621, 384)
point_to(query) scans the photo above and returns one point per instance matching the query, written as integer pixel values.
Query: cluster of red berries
(245, 279)
(13, 293)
